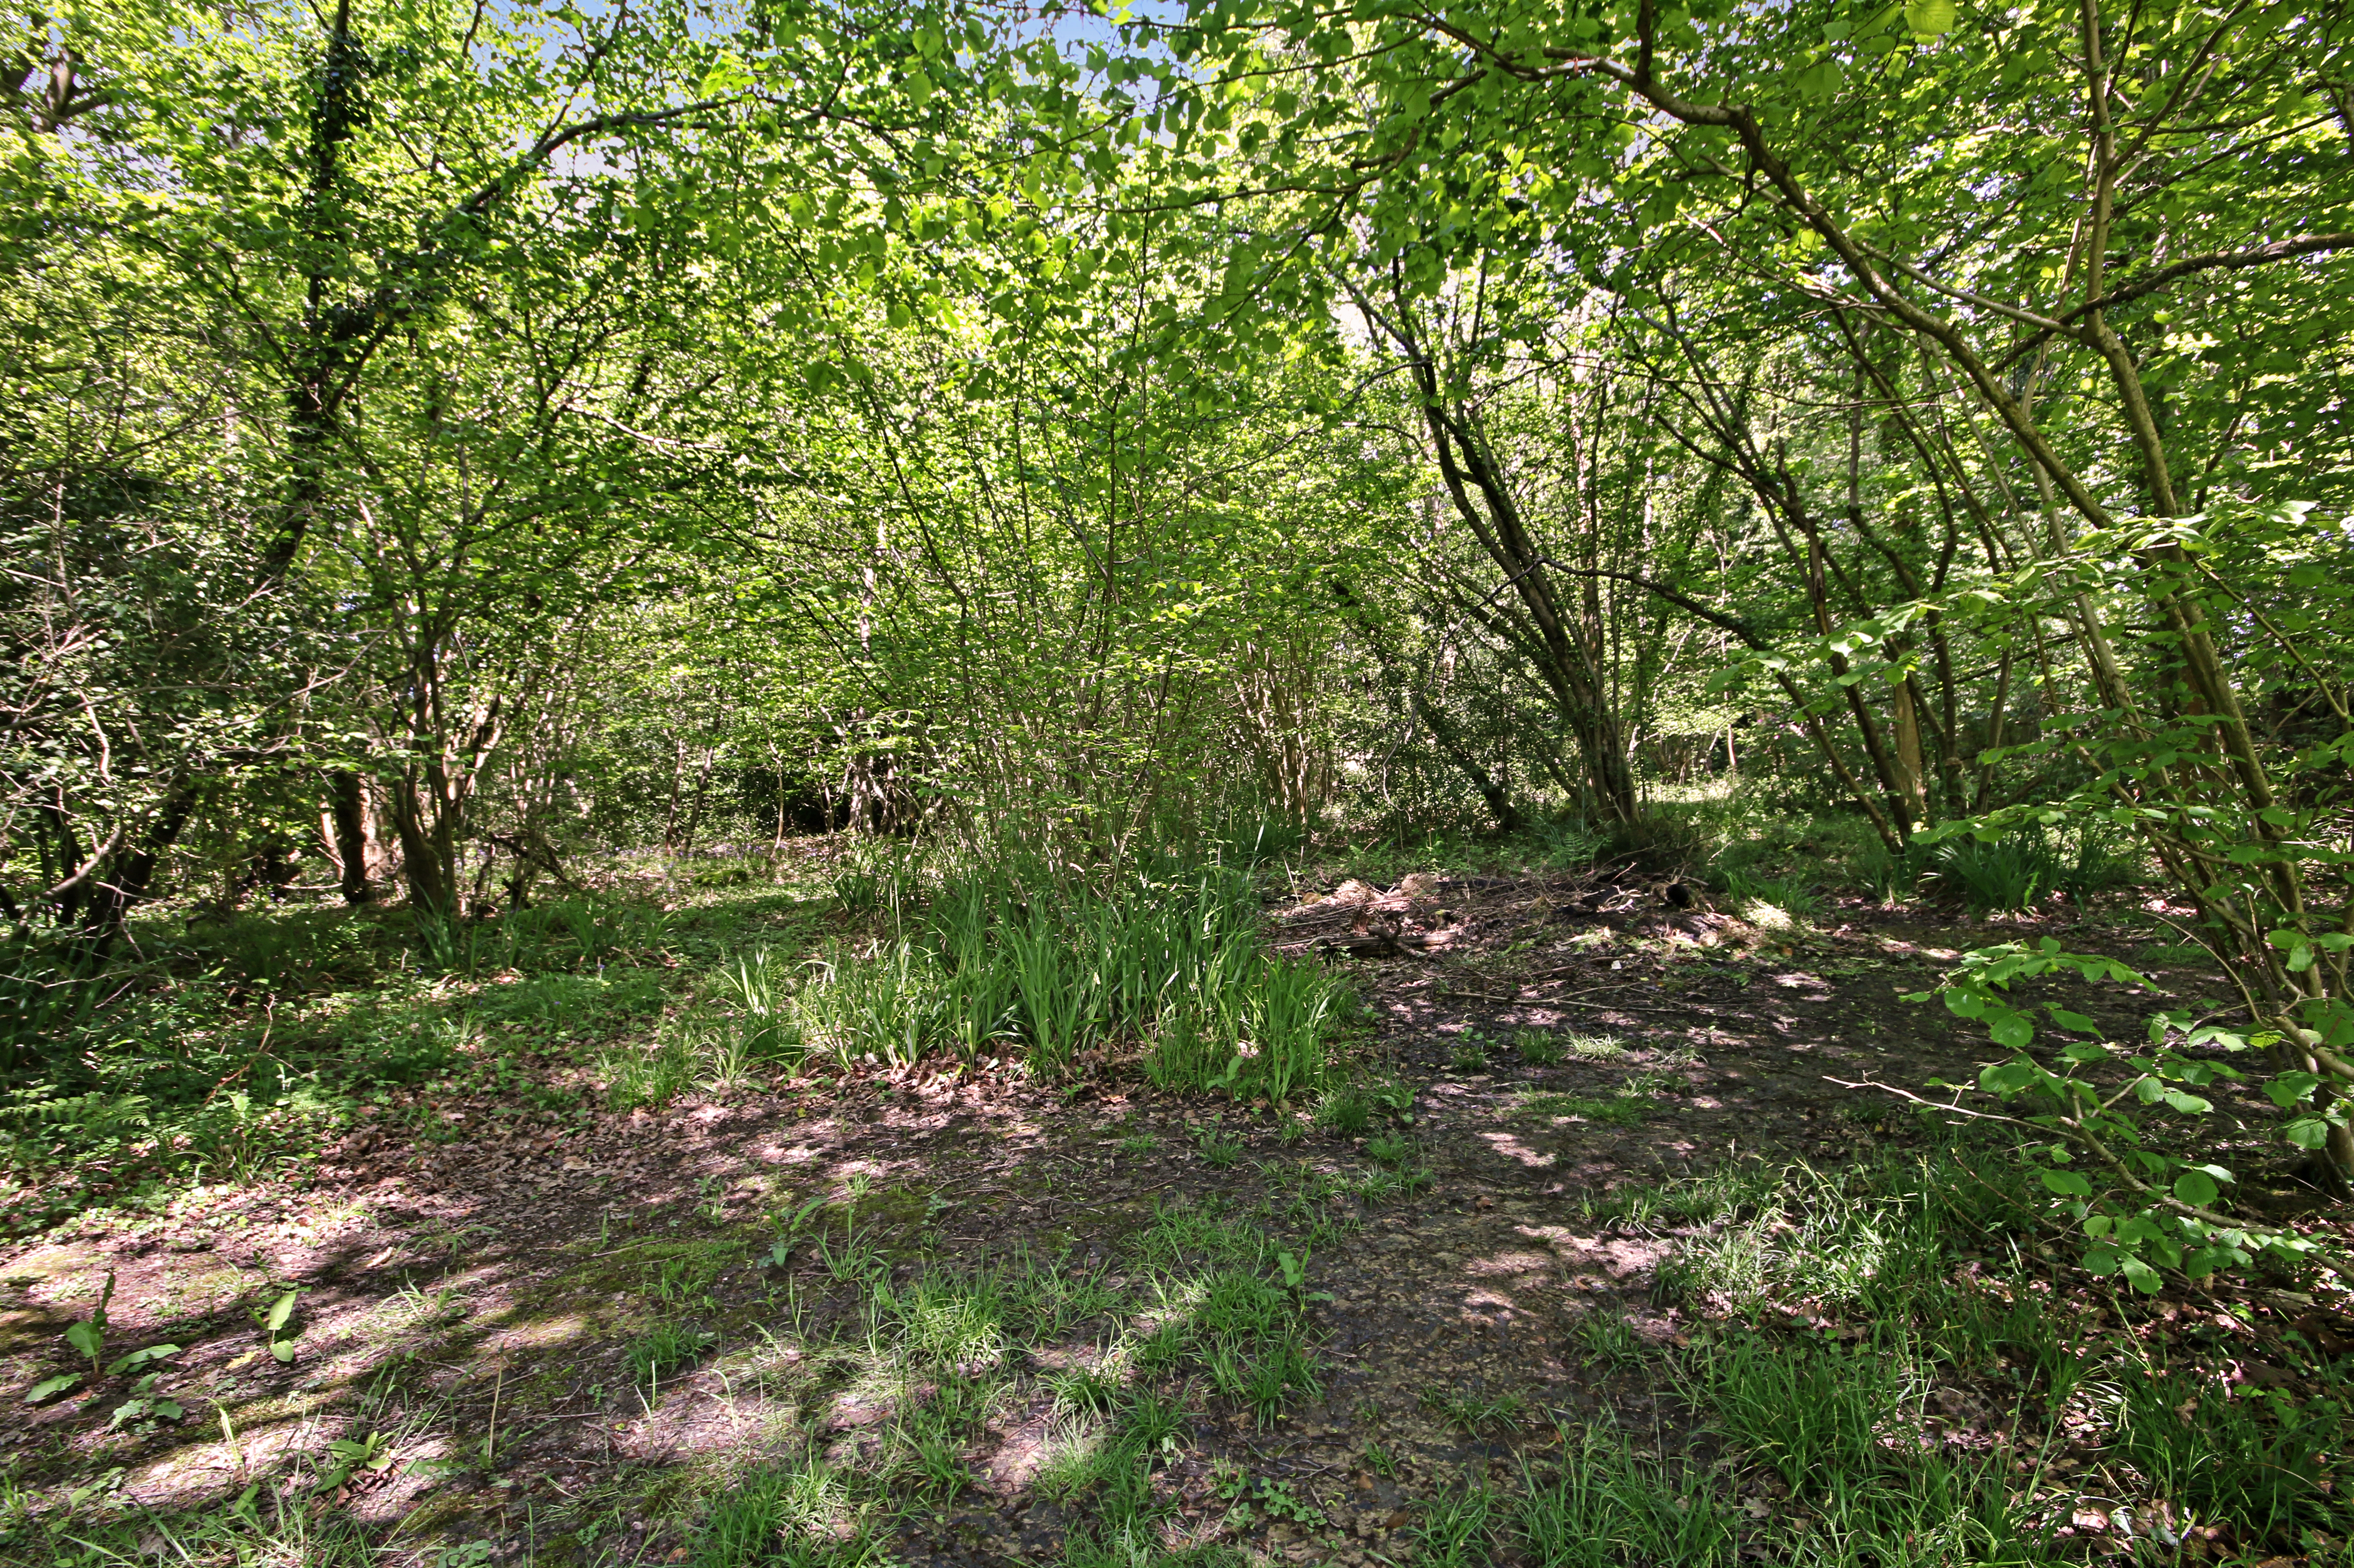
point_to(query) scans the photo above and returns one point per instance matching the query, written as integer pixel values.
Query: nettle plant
(2120, 1118)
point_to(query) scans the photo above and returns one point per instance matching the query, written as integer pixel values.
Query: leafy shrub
(1793, 895)
(2005, 875)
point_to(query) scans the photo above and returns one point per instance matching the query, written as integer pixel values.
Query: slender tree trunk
(428, 853)
(347, 806)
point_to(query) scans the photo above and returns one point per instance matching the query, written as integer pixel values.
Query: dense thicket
(444, 443)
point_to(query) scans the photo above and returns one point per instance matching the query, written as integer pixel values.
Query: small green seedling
(373, 1452)
(1275, 1499)
(273, 1324)
(146, 1403)
(88, 1336)
(1216, 1148)
(780, 1251)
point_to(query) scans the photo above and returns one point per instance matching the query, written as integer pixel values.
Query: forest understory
(1598, 1255)
(1177, 783)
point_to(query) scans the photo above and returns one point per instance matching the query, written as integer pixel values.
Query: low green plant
(1606, 1506)
(2263, 1469)
(1616, 1110)
(1608, 1339)
(276, 1323)
(1458, 1529)
(1750, 890)
(1217, 1148)
(1252, 1497)
(1473, 1411)
(1997, 876)
(758, 986)
(146, 1403)
(665, 1347)
(89, 1336)
(799, 1515)
(1348, 1112)
(1090, 1388)
(1390, 1097)
(1383, 1183)
(1537, 1047)
(649, 1073)
(1595, 1047)
(348, 1456)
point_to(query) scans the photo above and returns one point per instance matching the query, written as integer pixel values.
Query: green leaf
(2067, 1183)
(87, 1338)
(50, 1387)
(281, 1312)
(1821, 79)
(141, 1358)
(2195, 1188)
(2011, 1030)
(282, 1348)
(2075, 1021)
(2306, 1132)
(2007, 1078)
(1930, 18)
(2287, 1089)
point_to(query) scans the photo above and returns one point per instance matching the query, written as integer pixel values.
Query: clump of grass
(664, 1349)
(1383, 1184)
(1348, 1112)
(758, 988)
(1471, 1412)
(1217, 1148)
(1617, 1110)
(1470, 1056)
(1762, 899)
(1844, 1423)
(1458, 1529)
(2010, 874)
(654, 1073)
(1606, 1506)
(788, 1515)
(1537, 1047)
(1610, 1338)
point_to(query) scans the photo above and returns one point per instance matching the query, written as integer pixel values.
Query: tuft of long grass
(787, 1516)
(1606, 1505)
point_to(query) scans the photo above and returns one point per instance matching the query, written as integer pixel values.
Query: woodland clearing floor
(573, 1342)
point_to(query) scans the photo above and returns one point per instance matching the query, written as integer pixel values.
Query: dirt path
(565, 1338)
